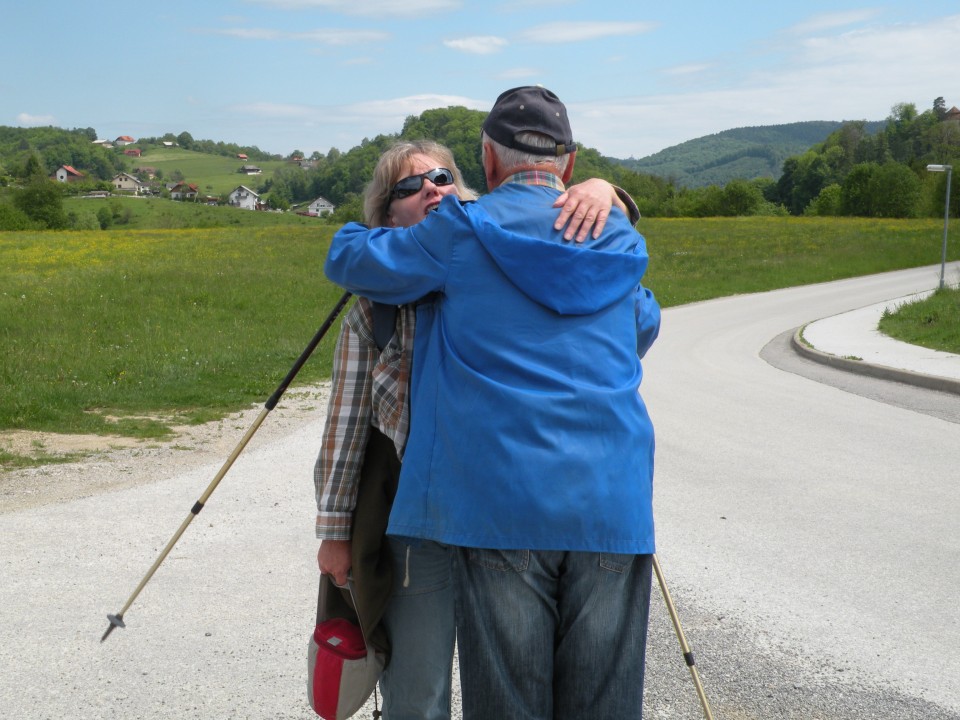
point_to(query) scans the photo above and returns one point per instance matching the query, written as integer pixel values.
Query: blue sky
(309, 75)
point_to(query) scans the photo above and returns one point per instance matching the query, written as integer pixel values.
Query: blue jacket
(527, 427)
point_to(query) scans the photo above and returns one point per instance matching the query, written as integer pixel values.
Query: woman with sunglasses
(403, 586)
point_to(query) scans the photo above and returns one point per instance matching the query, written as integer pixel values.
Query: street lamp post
(948, 169)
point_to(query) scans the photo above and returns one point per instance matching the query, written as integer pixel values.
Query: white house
(67, 173)
(250, 170)
(320, 206)
(243, 197)
(124, 140)
(184, 191)
(125, 182)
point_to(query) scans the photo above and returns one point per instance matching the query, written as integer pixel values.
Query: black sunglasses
(411, 185)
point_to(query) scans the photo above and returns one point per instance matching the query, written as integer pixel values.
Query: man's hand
(586, 206)
(333, 557)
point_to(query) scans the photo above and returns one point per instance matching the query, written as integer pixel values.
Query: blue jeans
(552, 635)
(420, 624)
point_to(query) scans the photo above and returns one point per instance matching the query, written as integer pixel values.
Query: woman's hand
(586, 206)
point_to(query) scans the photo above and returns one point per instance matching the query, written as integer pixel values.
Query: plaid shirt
(536, 177)
(541, 177)
(368, 388)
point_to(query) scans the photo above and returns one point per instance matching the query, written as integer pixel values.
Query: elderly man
(530, 450)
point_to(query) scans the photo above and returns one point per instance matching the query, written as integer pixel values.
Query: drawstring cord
(406, 573)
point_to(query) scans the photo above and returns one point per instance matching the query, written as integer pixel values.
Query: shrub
(12, 218)
(827, 203)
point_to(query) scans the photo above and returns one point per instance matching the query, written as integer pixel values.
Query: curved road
(814, 532)
(809, 536)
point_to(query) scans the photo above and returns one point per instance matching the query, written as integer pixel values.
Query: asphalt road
(809, 535)
(812, 531)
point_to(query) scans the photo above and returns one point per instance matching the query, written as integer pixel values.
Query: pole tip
(115, 622)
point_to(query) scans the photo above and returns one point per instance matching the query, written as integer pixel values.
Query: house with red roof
(66, 174)
(184, 191)
(124, 140)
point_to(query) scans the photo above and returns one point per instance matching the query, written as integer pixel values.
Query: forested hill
(746, 153)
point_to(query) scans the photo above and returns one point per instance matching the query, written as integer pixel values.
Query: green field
(213, 174)
(132, 331)
(140, 213)
(698, 259)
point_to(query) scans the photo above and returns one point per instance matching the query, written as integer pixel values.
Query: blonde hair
(376, 196)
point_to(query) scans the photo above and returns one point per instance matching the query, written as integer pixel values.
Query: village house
(124, 182)
(184, 191)
(67, 174)
(124, 140)
(250, 170)
(241, 156)
(244, 197)
(132, 152)
(319, 207)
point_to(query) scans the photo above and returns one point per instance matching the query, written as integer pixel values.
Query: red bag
(342, 669)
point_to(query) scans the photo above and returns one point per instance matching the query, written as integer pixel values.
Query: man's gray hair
(510, 158)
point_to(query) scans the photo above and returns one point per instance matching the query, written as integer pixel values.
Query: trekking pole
(117, 620)
(687, 653)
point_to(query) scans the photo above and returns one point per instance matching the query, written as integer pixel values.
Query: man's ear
(491, 166)
(568, 173)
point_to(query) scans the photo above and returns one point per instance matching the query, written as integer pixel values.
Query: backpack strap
(384, 323)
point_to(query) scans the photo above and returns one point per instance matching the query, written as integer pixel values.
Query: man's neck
(535, 175)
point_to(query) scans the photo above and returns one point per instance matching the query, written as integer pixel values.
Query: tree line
(853, 172)
(881, 175)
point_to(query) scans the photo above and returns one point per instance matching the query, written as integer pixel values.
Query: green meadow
(131, 331)
(142, 213)
(213, 174)
(128, 333)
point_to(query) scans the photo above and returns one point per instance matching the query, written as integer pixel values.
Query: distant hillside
(747, 153)
(213, 174)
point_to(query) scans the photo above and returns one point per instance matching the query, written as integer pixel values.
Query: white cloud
(35, 120)
(388, 114)
(374, 8)
(327, 36)
(850, 76)
(830, 21)
(478, 45)
(565, 32)
(273, 110)
(412, 105)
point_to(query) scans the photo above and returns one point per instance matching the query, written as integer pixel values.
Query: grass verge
(933, 322)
